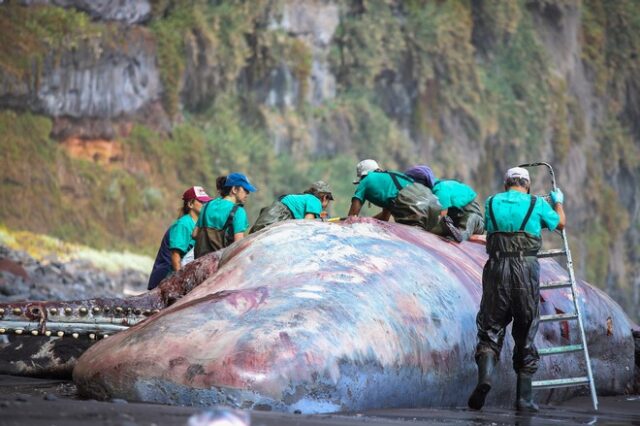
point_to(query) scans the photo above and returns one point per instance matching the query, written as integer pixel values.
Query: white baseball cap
(517, 172)
(364, 167)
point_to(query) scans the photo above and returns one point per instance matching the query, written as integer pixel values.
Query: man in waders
(408, 202)
(461, 214)
(511, 282)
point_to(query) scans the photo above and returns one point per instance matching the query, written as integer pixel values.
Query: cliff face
(291, 91)
(84, 76)
(127, 11)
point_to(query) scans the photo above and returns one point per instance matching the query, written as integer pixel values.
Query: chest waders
(510, 292)
(414, 205)
(276, 212)
(213, 239)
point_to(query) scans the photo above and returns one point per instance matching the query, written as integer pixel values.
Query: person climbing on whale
(461, 216)
(397, 194)
(308, 205)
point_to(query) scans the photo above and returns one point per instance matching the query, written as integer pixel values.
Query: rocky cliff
(126, 102)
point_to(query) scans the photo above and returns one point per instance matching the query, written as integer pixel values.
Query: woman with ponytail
(224, 219)
(177, 240)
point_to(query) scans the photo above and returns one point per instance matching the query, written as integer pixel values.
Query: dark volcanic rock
(99, 79)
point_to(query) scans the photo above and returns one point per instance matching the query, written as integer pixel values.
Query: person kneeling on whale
(461, 216)
(308, 205)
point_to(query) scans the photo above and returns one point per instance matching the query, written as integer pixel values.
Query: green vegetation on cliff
(29, 33)
(48, 192)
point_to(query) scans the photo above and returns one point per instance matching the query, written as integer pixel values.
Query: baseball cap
(196, 193)
(321, 187)
(517, 172)
(364, 167)
(238, 179)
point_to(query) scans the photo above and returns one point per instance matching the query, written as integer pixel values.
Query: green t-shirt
(180, 234)
(214, 214)
(510, 208)
(302, 204)
(378, 188)
(452, 193)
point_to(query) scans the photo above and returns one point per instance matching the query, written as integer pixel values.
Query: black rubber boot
(486, 363)
(451, 229)
(524, 394)
(474, 225)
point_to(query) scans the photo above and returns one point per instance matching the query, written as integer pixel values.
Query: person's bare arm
(238, 236)
(444, 212)
(356, 206)
(175, 260)
(309, 216)
(383, 215)
(194, 233)
(560, 210)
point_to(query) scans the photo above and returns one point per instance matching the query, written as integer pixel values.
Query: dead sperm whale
(320, 317)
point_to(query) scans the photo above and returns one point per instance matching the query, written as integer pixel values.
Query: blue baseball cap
(238, 179)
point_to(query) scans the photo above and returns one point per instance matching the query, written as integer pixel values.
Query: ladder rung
(558, 317)
(560, 383)
(552, 285)
(560, 350)
(551, 253)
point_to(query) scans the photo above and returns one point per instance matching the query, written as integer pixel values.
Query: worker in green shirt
(308, 205)
(224, 220)
(511, 282)
(177, 240)
(458, 202)
(397, 194)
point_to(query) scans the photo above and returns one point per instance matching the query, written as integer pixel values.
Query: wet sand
(26, 401)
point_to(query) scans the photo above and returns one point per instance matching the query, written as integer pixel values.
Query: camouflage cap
(321, 187)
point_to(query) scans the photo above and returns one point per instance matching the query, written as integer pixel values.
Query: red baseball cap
(196, 193)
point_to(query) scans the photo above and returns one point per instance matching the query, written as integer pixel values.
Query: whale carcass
(318, 317)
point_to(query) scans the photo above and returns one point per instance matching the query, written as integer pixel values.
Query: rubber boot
(451, 229)
(474, 225)
(486, 364)
(524, 394)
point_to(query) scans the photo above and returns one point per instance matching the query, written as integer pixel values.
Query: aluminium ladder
(554, 285)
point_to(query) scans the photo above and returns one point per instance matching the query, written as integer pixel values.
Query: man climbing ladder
(511, 282)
